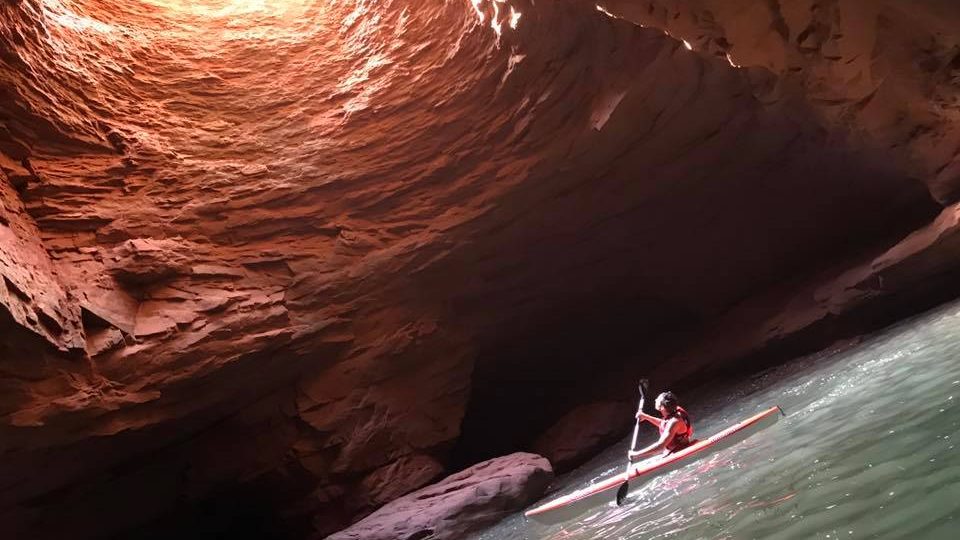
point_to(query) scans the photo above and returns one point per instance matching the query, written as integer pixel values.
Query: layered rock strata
(459, 504)
(267, 266)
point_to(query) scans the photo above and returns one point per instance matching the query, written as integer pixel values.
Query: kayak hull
(569, 507)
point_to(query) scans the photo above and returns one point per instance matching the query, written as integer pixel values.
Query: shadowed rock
(582, 432)
(458, 504)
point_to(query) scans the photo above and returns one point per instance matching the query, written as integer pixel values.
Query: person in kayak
(676, 429)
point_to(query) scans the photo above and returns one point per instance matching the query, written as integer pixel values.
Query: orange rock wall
(279, 256)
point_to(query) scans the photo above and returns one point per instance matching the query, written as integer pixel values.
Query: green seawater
(869, 449)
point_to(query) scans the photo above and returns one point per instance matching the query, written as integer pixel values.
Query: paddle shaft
(636, 427)
(625, 486)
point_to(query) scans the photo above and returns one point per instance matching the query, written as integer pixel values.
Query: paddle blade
(622, 493)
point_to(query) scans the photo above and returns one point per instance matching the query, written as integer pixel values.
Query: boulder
(461, 503)
(398, 478)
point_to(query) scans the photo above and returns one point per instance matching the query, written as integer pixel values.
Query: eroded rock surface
(459, 504)
(287, 260)
(886, 71)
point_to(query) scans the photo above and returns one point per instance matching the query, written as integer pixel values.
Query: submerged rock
(460, 503)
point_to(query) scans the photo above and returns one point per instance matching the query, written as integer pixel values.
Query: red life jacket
(682, 438)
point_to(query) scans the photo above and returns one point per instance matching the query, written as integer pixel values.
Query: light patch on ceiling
(494, 13)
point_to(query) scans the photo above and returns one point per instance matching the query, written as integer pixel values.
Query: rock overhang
(338, 221)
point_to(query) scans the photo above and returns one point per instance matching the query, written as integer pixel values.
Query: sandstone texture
(267, 266)
(885, 71)
(460, 503)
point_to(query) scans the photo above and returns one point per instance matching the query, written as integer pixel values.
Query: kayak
(571, 506)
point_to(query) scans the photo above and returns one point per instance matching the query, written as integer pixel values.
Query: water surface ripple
(868, 450)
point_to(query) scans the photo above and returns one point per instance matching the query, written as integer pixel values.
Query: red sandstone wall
(266, 248)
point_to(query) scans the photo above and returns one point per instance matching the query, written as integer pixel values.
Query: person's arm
(652, 419)
(668, 434)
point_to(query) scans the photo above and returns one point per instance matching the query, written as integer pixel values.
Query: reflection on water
(867, 451)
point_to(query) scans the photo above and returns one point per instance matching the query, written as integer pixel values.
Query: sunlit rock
(266, 265)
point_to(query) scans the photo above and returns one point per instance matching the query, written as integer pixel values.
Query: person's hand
(632, 456)
(639, 415)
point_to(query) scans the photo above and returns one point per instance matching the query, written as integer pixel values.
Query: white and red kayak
(571, 506)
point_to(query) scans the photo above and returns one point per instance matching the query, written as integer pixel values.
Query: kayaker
(676, 429)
